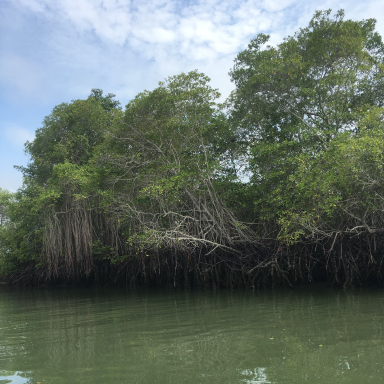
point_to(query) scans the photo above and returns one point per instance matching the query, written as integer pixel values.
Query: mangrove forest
(281, 184)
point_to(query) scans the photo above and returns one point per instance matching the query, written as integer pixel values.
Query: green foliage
(167, 174)
(160, 144)
(72, 133)
(163, 157)
(342, 187)
(60, 182)
(297, 103)
(107, 102)
(20, 237)
(5, 197)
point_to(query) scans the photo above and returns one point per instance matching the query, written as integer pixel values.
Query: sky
(54, 51)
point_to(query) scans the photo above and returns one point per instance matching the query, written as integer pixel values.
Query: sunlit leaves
(299, 104)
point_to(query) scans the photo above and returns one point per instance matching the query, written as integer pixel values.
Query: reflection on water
(119, 336)
(12, 377)
(255, 376)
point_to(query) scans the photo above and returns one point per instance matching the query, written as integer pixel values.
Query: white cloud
(22, 73)
(93, 40)
(153, 22)
(33, 5)
(18, 136)
(57, 50)
(10, 179)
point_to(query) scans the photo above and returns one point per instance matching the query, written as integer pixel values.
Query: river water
(94, 335)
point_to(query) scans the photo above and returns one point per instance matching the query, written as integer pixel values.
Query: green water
(122, 336)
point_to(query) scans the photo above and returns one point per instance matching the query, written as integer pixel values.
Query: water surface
(163, 336)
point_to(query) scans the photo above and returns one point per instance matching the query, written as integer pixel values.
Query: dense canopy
(282, 183)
